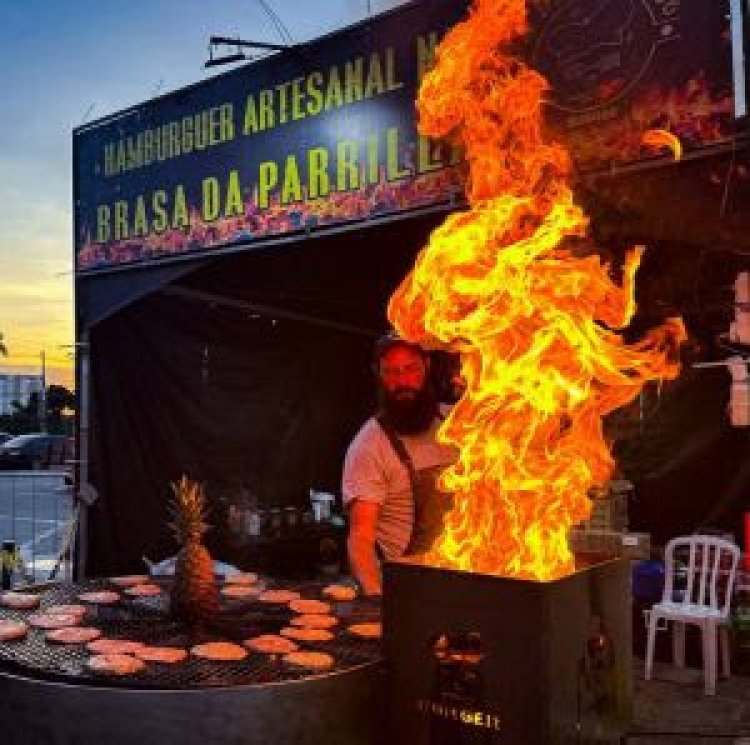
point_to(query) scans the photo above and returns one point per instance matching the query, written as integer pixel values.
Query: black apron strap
(398, 445)
(400, 449)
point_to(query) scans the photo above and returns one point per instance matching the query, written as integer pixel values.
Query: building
(18, 389)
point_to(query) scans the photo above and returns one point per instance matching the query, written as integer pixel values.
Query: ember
(534, 314)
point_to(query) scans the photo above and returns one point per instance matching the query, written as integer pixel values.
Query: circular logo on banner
(594, 52)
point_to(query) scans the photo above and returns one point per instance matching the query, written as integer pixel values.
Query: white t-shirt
(374, 473)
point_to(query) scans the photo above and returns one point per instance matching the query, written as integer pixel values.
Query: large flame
(513, 286)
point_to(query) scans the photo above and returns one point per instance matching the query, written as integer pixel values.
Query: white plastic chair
(698, 592)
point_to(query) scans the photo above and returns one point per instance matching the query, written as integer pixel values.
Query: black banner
(321, 134)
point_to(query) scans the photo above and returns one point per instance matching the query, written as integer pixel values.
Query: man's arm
(363, 519)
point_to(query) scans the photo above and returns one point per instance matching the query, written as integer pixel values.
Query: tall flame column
(508, 284)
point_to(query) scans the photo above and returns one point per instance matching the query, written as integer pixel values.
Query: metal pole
(736, 23)
(84, 434)
(43, 396)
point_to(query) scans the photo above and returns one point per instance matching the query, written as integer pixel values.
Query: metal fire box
(473, 658)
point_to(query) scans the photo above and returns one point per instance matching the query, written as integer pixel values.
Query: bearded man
(392, 466)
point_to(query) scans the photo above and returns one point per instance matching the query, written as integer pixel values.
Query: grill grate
(146, 620)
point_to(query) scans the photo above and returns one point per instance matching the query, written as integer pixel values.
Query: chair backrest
(700, 570)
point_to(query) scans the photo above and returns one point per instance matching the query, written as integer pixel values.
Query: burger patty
(130, 580)
(310, 606)
(306, 635)
(166, 655)
(73, 635)
(312, 660)
(373, 630)
(271, 644)
(144, 590)
(114, 664)
(226, 651)
(241, 578)
(314, 621)
(11, 631)
(54, 620)
(114, 646)
(340, 592)
(278, 596)
(19, 600)
(101, 597)
(240, 591)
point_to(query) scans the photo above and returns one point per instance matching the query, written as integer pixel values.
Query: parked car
(5, 436)
(34, 452)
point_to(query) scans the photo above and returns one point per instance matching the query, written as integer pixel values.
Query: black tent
(249, 370)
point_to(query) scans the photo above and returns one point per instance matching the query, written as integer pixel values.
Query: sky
(63, 64)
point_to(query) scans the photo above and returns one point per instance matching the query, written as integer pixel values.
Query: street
(35, 510)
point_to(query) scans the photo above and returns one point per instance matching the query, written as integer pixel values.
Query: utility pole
(43, 397)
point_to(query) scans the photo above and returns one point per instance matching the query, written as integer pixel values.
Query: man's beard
(410, 415)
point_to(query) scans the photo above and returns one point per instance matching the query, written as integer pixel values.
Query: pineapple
(194, 597)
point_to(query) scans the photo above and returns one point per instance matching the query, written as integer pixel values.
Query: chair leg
(650, 641)
(678, 643)
(724, 645)
(708, 633)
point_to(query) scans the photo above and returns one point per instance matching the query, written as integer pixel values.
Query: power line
(281, 29)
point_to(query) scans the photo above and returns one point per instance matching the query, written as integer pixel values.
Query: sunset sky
(67, 63)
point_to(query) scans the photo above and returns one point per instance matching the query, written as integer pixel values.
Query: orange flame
(658, 138)
(511, 286)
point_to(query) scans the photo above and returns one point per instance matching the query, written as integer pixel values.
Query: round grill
(146, 620)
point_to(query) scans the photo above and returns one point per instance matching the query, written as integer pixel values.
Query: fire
(660, 138)
(513, 286)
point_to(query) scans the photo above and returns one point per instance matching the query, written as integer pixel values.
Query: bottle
(252, 517)
(8, 560)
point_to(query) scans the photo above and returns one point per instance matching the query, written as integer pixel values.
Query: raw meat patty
(100, 597)
(312, 660)
(368, 630)
(54, 620)
(130, 580)
(307, 635)
(11, 631)
(314, 621)
(76, 608)
(73, 635)
(167, 655)
(19, 600)
(310, 606)
(241, 578)
(114, 646)
(240, 591)
(114, 664)
(340, 592)
(278, 596)
(271, 644)
(144, 590)
(220, 651)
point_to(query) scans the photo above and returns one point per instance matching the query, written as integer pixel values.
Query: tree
(22, 419)
(60, 404)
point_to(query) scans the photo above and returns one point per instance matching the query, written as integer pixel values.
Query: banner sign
(318, 135)
(621, 67)
(325, 133)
